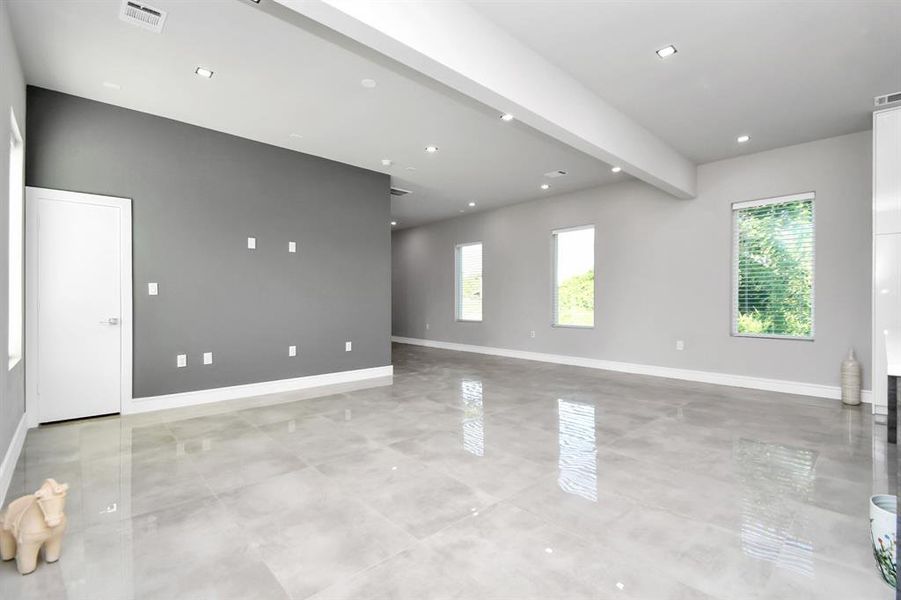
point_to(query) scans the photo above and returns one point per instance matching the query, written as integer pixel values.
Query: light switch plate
(153, 289)
(348, 346)
(292, 350)
(207, 358)
(251, 243)
(680, 345)
(181, 360)
(292, 246)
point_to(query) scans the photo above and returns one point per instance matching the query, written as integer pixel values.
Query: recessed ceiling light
(545, 186)
(111, 85)
(393, 223)
(471, 204)
(668, 51)
(386, 162)
(368, 83)
(431, 149)
(743, 138)
(506, 117)
(616, 169)
(203, 72)
(411, 168)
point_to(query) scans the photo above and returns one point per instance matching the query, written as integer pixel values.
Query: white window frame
(736, 207)
(458, 288)
(594, 313)
(16, 250)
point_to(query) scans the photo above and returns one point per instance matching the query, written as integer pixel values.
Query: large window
(469, 282)
(574, 277)
(16, 199)
(773, 267)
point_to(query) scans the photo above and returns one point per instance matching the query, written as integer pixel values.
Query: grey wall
(197, 196)
(12, 95)
(663, 269)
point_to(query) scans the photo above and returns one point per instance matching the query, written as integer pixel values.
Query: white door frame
(32, 194)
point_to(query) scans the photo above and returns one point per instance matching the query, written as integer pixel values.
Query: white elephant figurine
(31, 522)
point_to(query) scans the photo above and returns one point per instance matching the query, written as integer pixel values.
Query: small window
(773, 267)
(469, 282)
(574, 277)
(16, 226)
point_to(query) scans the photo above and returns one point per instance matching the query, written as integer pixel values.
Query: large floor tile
(309, 535)
(317, 439)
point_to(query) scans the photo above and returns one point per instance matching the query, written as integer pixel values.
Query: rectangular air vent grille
(142, 15)
(888, 99)
(399, 191)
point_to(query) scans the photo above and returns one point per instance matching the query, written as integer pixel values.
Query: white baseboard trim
(183, 399)
(12, 457)
(743, 381)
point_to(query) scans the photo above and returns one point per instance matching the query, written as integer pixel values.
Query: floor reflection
(578, 459)
(391, 492)
(772, 476)
(473, 417)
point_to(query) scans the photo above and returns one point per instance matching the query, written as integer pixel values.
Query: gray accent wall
(12, 95)
(197, 196)
(663, 269)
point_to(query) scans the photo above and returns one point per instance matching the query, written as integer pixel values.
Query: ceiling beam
(452, 43)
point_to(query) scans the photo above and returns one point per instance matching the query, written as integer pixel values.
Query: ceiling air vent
(887, 99)
(557, 173)
(142, 15)
(399, 192)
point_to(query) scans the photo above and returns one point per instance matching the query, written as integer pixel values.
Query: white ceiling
(273, 78)
(781, 72)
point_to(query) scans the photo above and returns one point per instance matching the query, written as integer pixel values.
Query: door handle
(110, 321)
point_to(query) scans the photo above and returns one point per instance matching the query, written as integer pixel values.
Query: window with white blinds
(773, 267)
(469, 282)
(574, 277)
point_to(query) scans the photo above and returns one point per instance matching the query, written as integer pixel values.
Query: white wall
(663, 269)
(12, 94)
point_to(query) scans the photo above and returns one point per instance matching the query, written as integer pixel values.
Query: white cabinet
(886, 248)
(887, 171)
(886, 305)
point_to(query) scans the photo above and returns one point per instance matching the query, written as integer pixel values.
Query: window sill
(13, 361)
(558, 326)
(468, 320)
(773, 336)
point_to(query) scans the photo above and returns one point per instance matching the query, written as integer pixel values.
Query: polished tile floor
(468, 477)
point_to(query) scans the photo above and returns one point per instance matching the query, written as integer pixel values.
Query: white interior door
(79, 271)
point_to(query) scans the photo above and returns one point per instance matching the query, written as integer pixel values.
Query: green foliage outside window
(775, 269)
(575, 300)
(471, 296)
